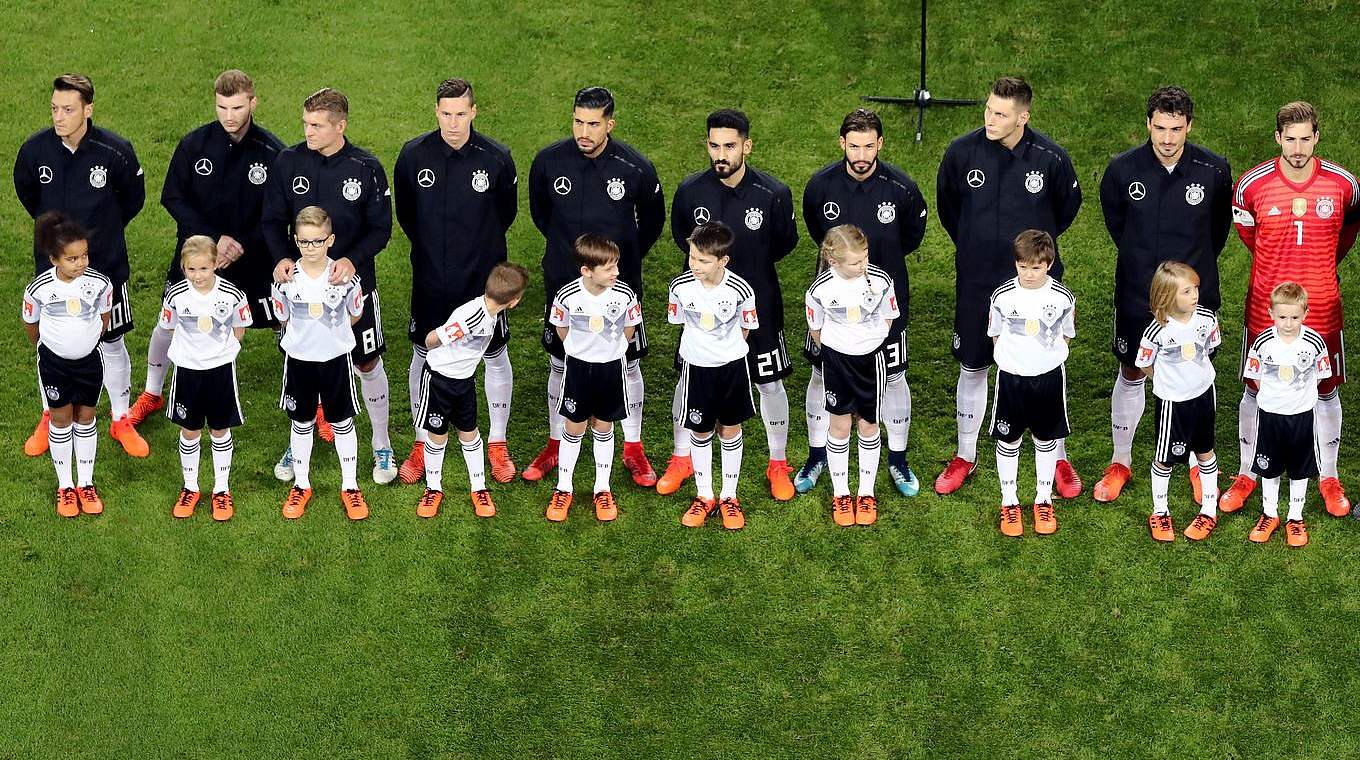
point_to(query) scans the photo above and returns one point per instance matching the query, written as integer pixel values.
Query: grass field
(929, 635)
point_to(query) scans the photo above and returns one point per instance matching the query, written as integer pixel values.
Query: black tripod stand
(922, 98)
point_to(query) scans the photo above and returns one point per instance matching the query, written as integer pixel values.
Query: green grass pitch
(929, 635)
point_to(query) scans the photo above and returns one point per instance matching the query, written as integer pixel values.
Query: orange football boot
(606, 509)
(1201, 527)
(635, 461)
(323, 428)
(146, 405)
(777, 473)
(428, 506)
(1066, 481)
(843, 510)
(482, 505)
(1111, 483)
(558, 506)
(502, 466)
(132, 442)
(185, 503)
(957, 471)
(1196, 487)
(732, 516)
(1334, 497)
(296, 502)
(36, 445)
(678, 470)
(1237, 493)
(222, 506)
(1011, 524)
(1045, 519)
(1161, 528)
(544, 463)
(355, 506)
(866, 510)
(698, 512)
(68, 503)
(413, 469)
(90, 503)
(1296, 533)
(1264, 528)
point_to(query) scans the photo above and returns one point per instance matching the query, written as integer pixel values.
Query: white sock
(413, 385)
(300, 439)
(1062, 448)
(896, 411)
(774, 412)
(1161, 485)
(1298, 493)
(1270, 496)
(633, 387)
(567, 453)
(731, 461)
(814, 409)
(499, 381)
(557, 374)
(474, 456)
(347, 448)
(701, 454)
(1008, 471)
(117, 376)
(970, 404)
(86, 443)
(838, 462)
(1246, 433)
(373, 384)
(1127, 403)
(222, 450)
(1327, 431)
(604, 458)
(869, 449)
(157, 360)
(434, 463)
(1208, 480)
(1045, 462)
(188, 460)
(679, 434)
(59, 444)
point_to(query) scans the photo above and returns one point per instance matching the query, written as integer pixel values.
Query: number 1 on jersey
(1298, 225)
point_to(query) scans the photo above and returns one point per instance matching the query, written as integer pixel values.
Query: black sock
(898, 459)
(816, 454)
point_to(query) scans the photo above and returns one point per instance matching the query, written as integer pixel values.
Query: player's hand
(342, 270)
(228, 251)
(283, 271)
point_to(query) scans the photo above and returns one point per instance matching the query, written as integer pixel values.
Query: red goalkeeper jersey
(1296, 232)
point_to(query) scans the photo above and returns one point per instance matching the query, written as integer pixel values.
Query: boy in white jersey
(850, 308)
(595, 317)
(1175, 351)
(1287, 361)
(317, 368)
(718, 310)
(66, 310)
(206, 316)
(1030, 319)
(448, 386)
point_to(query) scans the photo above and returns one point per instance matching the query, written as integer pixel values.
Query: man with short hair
(1298, 216)
(1167, 199)
(994, 183)
(885, 203)
(329, 171)
(92, 174)
(759, 210)
(214, 186)
(594, 183)
(456, 198)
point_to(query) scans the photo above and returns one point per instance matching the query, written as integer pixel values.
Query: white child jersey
(595, 324)
(713, 318)
(1179, 354)
(317, 314)
(1031, 326)
(853, 315)
(463, 339)
(1288, 373)
(204, 323)
(68, 313)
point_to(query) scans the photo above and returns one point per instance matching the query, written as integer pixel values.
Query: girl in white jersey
(205, 316)
(66, 310)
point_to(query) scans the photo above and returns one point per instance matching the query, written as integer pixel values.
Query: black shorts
(120, 317)
(254, 277)
(637, 347)
(1035, 403)
(446, 401)
(1285, 444)
(594, 390)
(971, 345)
(70, 381)
(368, 334)
(1184, 427)
(854, 384)
(199, 396)
(712, 396)
(330, 383)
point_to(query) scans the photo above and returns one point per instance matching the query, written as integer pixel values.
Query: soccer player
(318, 315)
(719, 311)
(215, 187)
(206, 317)
(758, 210)
(1286, 360)
(594, 317)
(887, 206)
(1174, 351)
(1031, 319)
(1298, 216)
(66, 309)
(1167, 199)
(850, 310)
(446, 396)
(994, 183)
(594, 183)
(456, 198)
(92, 174)
(329, 171)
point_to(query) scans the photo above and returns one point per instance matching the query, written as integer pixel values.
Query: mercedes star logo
(976, 178)
(425, 178)
(701, 215)
(830, 210)
(301, 185)
(203, 166)
(562, 185)
(44, 174)
(1137, 191)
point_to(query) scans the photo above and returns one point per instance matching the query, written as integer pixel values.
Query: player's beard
(724, 169)
(1298, 161)
(860, 168)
